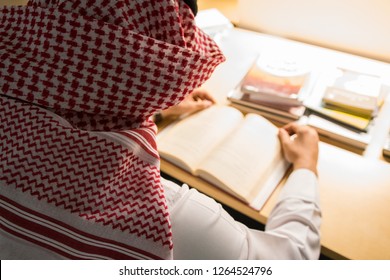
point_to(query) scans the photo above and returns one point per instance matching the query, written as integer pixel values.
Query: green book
(343, 118)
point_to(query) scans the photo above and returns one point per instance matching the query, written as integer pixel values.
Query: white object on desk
(212, 22)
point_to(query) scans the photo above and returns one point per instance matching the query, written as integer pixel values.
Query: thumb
(284, 137)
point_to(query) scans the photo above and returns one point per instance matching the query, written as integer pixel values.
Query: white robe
(203, 230)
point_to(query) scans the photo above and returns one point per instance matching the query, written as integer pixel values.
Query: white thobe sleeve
(202, 229)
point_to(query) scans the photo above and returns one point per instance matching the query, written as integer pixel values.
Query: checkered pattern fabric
(79, 80)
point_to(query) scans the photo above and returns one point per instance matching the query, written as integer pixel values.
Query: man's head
(193, 5)
(104, 64)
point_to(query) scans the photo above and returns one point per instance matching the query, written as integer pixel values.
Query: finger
(203, 95)
(292, 128)
(211, 99)
(202, 104)
(195, 106)
(207, 97)
(307, 132)
(284, 136)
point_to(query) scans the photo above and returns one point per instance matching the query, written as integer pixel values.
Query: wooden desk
(13, 2)
(354, 189)
(354, 197)
(228, 7)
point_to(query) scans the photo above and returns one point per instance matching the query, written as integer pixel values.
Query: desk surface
(354, 189)
(354, 198)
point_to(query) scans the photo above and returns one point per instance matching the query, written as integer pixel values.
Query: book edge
(270, 185)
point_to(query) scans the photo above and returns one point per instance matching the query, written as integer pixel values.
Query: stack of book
(345, 106)
(274, 87)
(386, 148)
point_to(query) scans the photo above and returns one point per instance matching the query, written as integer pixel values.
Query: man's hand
(199, 99)
(300, 146)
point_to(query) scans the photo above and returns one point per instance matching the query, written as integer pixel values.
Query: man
(79, 170)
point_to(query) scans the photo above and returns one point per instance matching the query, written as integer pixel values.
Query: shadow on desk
(235, 214)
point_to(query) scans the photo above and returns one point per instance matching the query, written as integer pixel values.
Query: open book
(239, 154)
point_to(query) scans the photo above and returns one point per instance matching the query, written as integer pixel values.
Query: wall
(357, 26)
(13, 2)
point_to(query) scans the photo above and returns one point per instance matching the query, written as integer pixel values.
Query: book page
(245, 159)
(187, 142)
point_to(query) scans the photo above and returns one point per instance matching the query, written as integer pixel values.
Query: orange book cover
(277, 80)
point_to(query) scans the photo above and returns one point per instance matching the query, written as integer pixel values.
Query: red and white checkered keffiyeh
(79, 80)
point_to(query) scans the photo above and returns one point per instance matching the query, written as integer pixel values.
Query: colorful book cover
(350, 120)
(278, 80)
